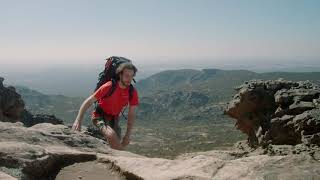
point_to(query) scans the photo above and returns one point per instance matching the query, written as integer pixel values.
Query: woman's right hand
(76, 125)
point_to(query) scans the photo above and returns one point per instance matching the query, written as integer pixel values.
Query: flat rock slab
(218, 167)
(89, 171)
(4, 176)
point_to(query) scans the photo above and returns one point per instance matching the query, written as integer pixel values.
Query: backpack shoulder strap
(97, 107)
(112, 89)
(131, 89)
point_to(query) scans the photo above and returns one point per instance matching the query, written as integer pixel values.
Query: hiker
(111, 98)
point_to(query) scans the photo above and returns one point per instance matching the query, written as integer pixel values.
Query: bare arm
(131, 120)
(83, 108)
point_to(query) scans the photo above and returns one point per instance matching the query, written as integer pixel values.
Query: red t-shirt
(115, 103)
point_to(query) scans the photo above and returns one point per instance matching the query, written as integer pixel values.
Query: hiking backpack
(109, 74)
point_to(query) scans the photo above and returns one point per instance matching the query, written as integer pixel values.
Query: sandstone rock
(29, 120)
(218, 165)
(11, 104)
(4, 176)
(266, 167)
(41, 150)
(277, 112)
(12, 109)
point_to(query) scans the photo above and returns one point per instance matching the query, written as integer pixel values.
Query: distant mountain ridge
(188, 78)
(207, 87)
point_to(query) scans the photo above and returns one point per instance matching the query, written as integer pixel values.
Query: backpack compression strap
(113, 88)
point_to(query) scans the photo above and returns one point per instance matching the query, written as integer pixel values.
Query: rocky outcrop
(11, 104)
(220, 165)
(277, 112)
(40, 151)
(29, 120)
(12, 109)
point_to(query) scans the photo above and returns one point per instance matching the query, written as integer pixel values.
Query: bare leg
(110, 135)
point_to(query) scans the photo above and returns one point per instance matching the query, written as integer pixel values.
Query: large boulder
(277, 112)
(40, 151)
(29, 119)
(11, 104)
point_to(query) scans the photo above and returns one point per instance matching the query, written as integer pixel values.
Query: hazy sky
(85, 31)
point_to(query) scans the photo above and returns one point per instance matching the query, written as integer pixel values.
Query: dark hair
(124, 66)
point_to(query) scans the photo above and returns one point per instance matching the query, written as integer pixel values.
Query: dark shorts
(100, 123)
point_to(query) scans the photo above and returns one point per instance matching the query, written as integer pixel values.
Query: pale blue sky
(85, 31)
